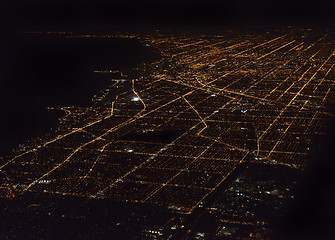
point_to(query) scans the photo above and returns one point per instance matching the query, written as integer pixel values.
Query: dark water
(43, 70)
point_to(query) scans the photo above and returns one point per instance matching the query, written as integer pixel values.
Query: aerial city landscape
(210, 141)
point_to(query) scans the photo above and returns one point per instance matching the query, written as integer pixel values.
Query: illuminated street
(171, 133)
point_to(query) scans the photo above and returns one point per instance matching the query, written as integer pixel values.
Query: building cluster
(172, 132)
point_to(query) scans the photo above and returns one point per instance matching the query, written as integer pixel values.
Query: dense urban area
(208, 142)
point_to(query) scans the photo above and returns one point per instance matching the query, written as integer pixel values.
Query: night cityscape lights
(200, 132)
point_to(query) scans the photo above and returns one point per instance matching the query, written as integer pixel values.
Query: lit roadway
(210, 88)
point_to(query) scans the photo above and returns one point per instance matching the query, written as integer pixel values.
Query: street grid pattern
(231, 98)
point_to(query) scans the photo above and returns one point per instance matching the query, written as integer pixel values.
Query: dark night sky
(57, 13)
